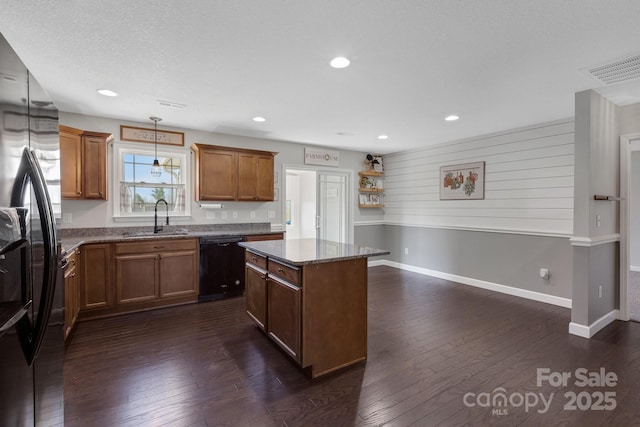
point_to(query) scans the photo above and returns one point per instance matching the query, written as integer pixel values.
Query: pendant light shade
(155, 169)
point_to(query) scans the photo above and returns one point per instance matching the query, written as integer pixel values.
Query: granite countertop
(73, 238)
(311, 251)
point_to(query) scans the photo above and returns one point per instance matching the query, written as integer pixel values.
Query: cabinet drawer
(286, 272)
(71, 258)
(255, 259)
(156, 246)
(262, 237)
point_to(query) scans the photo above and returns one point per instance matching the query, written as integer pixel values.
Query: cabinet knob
(280, 270)
(263, 277)
(254, 259)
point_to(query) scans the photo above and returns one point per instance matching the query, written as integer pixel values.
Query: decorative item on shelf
(155, 169)
(373, 162)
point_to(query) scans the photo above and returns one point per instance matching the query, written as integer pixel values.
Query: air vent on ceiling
(172, 104)
(618, 71)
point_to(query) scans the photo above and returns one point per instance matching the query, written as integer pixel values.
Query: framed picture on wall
(462, 182)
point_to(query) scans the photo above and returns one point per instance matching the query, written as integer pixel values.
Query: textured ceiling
(498, 64)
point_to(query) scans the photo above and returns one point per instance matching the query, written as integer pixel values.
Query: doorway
(630, 227)
(317, 204)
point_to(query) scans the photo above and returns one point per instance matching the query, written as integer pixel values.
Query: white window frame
(120, 150)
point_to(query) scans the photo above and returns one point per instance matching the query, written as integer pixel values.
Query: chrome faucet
(155, 215)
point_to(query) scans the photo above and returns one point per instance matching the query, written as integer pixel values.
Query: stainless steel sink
(159, 233)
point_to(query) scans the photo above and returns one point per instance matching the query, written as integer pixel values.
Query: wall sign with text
(317, 156)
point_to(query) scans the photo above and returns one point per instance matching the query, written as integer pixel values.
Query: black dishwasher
(221, 268)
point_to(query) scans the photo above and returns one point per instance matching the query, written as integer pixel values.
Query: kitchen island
(310, 297)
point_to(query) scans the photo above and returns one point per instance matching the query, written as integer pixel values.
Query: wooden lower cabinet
(260, 237)
(136, 278)
(317, 313)
(179, 273)
(146, 274)
(157, 271)
(284, 315)
(255, 290)
(96, 290)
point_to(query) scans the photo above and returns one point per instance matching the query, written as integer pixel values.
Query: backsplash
(106, 231)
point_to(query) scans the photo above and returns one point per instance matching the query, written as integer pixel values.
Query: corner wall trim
(589, 331)
(594, 241)
(509, 290)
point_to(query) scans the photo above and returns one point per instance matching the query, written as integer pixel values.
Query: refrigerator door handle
(31, 337)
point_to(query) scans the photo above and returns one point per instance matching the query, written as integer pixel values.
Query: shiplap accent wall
(528, 182)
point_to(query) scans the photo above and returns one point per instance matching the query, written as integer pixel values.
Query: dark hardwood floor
(431, 343)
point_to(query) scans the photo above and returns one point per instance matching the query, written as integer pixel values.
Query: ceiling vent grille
(172, 104)
(618, 71)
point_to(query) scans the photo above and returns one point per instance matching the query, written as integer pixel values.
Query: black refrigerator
(31, 289)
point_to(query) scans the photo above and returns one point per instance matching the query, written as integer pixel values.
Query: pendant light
(155, 169)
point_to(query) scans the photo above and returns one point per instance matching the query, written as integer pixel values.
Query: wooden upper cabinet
(71, 162)
(255, 172)
(215, 173)
(83, 163)
(225, 173)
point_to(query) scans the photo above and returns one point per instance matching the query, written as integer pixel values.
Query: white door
(332, 221)
(317, 204)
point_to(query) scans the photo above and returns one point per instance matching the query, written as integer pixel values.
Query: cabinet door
(94, 183)
(284, 316)
(217, 175)
(247, 176)
(96, 287)
(255, 177)
(70, 300)
(70, 165)
(178, 274)
(256, 295)
(264, 178)
(137, 277)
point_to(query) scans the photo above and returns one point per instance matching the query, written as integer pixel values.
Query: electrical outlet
(67, 218)
(234, 214)
(544, 273)
(211, 215)
(271, 214)
(223, 215)
(600, 291)
(597, 220)
(406, 251)
(252, 215)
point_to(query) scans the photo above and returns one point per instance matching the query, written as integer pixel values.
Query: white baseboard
(377, 263)
(635, 268)
(509, 290)
(595, 327)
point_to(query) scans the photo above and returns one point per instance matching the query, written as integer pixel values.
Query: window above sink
(137, 190)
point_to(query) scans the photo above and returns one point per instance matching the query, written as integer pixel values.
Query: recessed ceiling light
(383, 136)
(451, 118)
(259, 119)
(107, 92)
(340, 62)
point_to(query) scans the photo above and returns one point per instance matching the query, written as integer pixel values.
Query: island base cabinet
(317, 313)
(283, 313)
(256, 294)
(334, 321)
